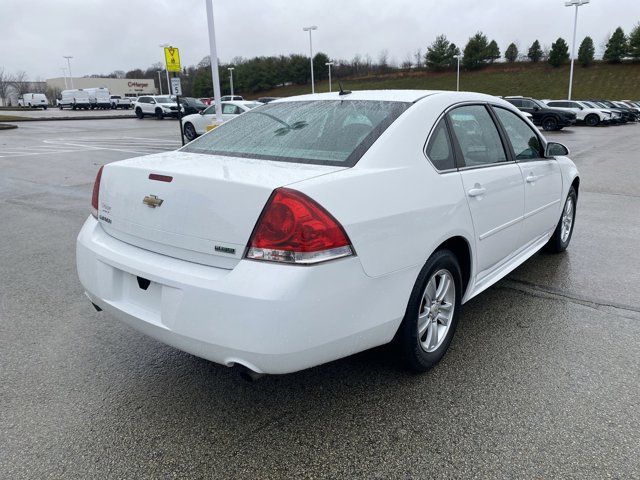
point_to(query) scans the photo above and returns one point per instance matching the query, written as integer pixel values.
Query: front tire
(549, 124)
(592, 120)
(159, 114)
(561, 237)
(432, 314)
(139, 113)
(190, 131)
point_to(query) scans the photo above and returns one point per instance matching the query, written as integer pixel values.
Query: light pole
(231, 69)
(329, 64)
(64, 72)
(69, 57)
(163, 46)
(457, 57)
(574, 3)
(310, 29)
(160, 81)
(214, 61)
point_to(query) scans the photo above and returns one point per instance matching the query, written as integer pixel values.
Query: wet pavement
(542, 379)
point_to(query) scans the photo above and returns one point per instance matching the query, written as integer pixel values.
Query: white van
(33, 100)
(73, 99)
(99, 97)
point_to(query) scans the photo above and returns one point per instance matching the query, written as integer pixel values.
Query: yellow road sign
(172, 57)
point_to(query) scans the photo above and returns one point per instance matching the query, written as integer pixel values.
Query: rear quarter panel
(395, 207)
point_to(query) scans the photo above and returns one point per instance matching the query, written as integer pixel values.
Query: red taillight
(96, 194)
(293, 228)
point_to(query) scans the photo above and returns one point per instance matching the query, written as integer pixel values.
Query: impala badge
(152, 200)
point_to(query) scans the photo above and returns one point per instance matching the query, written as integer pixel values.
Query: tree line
(264, 73)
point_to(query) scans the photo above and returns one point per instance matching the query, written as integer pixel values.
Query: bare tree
(20, 82)
(383, 60)
(417, 58)
(407, 62)
(5, 81)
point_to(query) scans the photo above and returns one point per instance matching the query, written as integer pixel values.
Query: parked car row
(558, 114)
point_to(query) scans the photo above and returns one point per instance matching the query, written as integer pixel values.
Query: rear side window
(439, 149)
(323, 132)
(477, 136)
(526, 144)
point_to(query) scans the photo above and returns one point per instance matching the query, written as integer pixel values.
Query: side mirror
(555, 149)
(536, 108)
(152, 101)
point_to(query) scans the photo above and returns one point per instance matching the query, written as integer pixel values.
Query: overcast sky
(108, 35)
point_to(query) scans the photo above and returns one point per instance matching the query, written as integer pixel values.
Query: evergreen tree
(512, 53)
(559, 53)
(617, 47)
(493, 51)
(440, 53)
(452, 53)
(634, 42)
(586, 52)
(535, 52)
(476, 52)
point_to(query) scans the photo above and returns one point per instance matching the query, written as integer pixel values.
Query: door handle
(531, 178)
(477, 191)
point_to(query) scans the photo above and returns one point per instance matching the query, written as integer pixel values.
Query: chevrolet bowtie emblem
(152, 200)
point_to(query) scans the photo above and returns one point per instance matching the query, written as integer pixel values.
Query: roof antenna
(342, 90)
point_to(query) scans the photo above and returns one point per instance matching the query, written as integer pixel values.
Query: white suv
(159, 106)
(591, 117)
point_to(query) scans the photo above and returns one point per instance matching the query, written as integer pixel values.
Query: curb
(49, 119)
(7, 126)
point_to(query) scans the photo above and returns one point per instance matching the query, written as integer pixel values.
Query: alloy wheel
(436, 310)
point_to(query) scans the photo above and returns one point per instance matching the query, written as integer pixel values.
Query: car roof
(376, 95)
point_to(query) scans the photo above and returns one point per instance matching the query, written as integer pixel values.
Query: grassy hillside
(535, 80)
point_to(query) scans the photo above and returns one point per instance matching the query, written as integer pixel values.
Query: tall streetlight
(231, 69)
(214, 61)
(329, 64)
(310, 29)
(160, 81)
(163, 46)
(577, 4)
(64, 72)
(457, 57)
(69, 57)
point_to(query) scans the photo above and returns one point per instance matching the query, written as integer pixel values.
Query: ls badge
(152, 200)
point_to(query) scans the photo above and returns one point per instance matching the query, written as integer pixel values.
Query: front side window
(323, 132)
(526, 144)
(439, 149)
(477, 136)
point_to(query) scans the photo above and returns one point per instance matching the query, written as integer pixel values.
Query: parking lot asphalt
(542, 379)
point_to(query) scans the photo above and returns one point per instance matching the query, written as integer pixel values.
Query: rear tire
(139, 113)
(433, 309)
(549, 124)
(561, 237)
(592, 120)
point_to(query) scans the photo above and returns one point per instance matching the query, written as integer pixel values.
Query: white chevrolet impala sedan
(318, 226)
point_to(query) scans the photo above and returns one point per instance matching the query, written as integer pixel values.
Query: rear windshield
(322, 132)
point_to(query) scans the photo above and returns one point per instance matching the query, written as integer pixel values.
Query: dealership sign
(138, 86)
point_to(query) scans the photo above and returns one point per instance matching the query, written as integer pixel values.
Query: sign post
(172, 59)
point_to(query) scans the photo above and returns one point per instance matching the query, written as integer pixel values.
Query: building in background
(126, 87)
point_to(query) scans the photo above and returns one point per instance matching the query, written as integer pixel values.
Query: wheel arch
(576, 184)
(461, 248)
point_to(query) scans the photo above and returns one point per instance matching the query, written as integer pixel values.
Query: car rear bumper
(270, 318)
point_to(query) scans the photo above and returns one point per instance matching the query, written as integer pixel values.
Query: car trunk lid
(196, 207)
